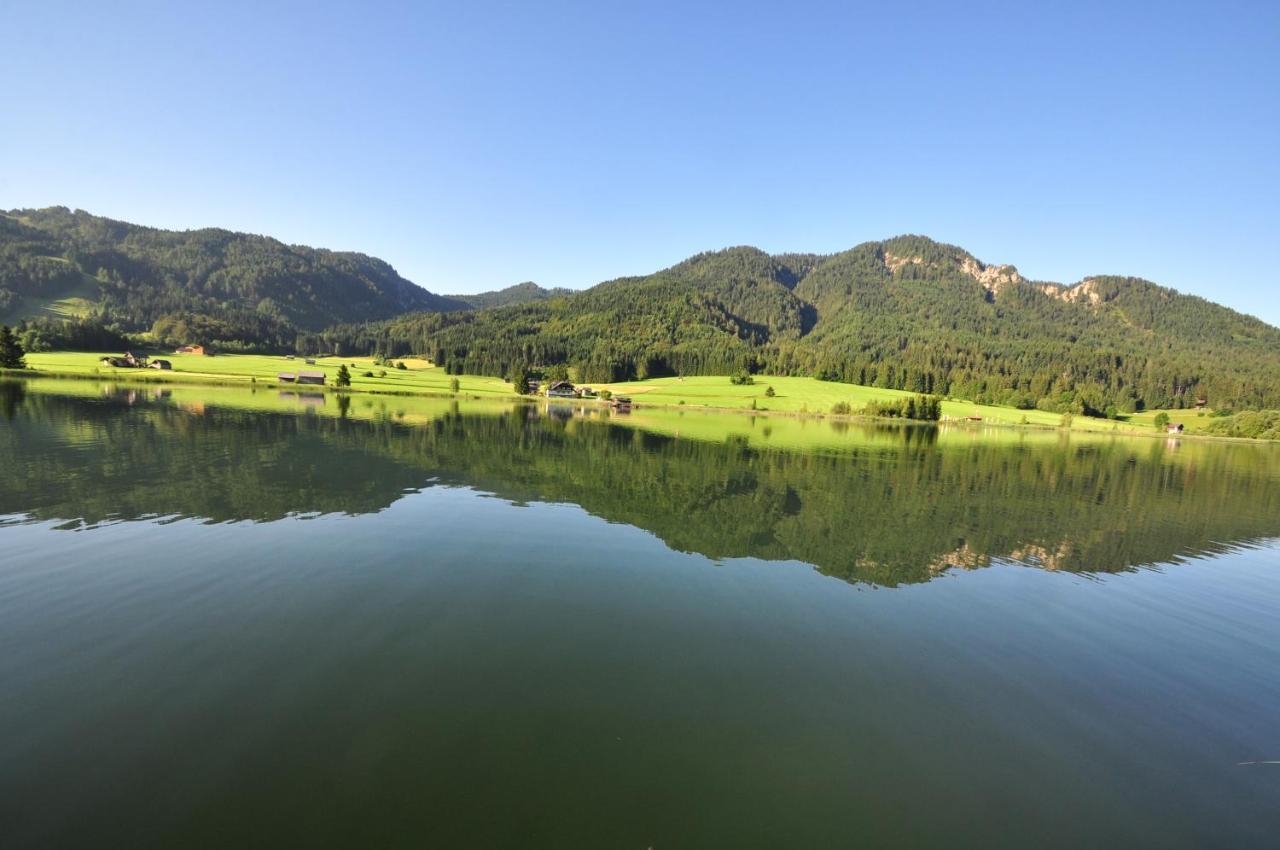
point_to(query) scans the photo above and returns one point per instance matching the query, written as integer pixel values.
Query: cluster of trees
(87, 334)
(1257, 424)
(11, 354)
(924, 408)
(521, 379)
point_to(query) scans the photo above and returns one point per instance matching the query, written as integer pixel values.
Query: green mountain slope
(245, 287)
(907, 313)
(521, 293)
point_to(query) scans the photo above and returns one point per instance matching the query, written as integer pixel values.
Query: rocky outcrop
(994, 278)
(1084, 292)
(894, 262)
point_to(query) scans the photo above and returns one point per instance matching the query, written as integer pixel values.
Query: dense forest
(902, 509)
(521, 293)
(233, 290)
(906, 313)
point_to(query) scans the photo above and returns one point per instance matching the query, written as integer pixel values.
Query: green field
(791, 433)
(419, 378)
(267, 398)
(793, 396)
(809, 395)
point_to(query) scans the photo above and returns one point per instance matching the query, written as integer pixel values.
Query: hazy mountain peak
(519, 293)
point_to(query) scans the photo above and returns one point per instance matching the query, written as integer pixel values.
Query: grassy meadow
(792, 395)
(419, 376)
(809, 395)
(268, 398)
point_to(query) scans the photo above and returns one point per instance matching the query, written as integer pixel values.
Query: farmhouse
(561, 389)
(191, 349)
(1175, 428)
(128, 361)
(311, 378)
(286, 377)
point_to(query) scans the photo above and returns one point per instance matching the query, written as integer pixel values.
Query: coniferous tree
(11, 354)
(520, 380)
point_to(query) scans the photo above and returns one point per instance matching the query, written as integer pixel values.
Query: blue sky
(474, 145)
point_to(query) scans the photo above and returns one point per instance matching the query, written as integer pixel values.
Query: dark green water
(228, 628)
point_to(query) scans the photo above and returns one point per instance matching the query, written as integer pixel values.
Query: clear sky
(474, 145)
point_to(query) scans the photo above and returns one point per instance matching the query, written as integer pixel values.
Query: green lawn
(270, 398)
(792, 395)
(809, 395)
(419, 377)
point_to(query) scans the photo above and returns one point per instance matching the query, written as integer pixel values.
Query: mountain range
(907, 313)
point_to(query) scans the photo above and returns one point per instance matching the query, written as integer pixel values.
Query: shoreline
(194, 380)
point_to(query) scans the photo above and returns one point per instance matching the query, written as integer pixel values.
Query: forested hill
(908, 313)
(206, 285)
(521, 293)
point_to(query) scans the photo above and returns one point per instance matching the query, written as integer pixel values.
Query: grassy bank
(811, 396)
(417, 378)
(792, 396)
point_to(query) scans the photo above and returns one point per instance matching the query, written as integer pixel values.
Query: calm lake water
(234, 619)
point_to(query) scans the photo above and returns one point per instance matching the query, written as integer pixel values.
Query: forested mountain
(207, 285)
(521, 293)
(907, 313)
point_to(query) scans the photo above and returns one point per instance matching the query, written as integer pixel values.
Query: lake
(266, 619)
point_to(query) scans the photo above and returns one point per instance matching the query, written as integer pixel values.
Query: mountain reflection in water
(887, 506)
